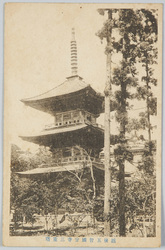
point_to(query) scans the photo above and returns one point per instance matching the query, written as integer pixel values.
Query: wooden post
(107, 178)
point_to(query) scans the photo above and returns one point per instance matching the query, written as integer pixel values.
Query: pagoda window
(59, 120)
(76, 116)
(89, 118)
(67, 152)
(93, 119)
(66, 118)
(77, 153)
(57, 154)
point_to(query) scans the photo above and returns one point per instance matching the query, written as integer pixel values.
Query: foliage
(147, 54)
(135, 41)
(70, 191)
(83, 191)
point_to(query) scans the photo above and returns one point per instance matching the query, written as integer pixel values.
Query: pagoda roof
(72, 84)
(59, 130)
(60, 98)
(79, 134)
(53, 169)
(73, 166)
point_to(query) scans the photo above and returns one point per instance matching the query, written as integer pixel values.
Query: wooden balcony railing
(53, 125)
(77, 159)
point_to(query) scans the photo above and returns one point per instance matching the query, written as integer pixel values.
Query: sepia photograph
(82, 125)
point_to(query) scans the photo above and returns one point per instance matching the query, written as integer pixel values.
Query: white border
(2, 2)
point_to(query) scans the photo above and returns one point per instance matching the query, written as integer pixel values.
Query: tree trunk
(148, 109)
(122, 163)
(107, 190)
(121, 199)
(107, 178)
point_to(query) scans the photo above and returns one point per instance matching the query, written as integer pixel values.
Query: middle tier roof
(80, 134)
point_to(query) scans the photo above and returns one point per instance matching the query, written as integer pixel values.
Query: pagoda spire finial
(73, 34)
(74, 66)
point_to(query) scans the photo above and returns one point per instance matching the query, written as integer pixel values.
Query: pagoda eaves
(72, 94)
(88, 136)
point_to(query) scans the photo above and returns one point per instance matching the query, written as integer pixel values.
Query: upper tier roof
(72, 94)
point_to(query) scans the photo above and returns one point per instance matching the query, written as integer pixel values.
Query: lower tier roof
(47, 170)
(74, 166)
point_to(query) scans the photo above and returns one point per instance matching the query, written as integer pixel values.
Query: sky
(37, 58)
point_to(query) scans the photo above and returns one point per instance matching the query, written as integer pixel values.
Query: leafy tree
(137, 31)
(73, 191)
(147, 53)
(124, 79)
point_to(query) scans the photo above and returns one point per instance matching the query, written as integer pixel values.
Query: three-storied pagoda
(74, 136)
